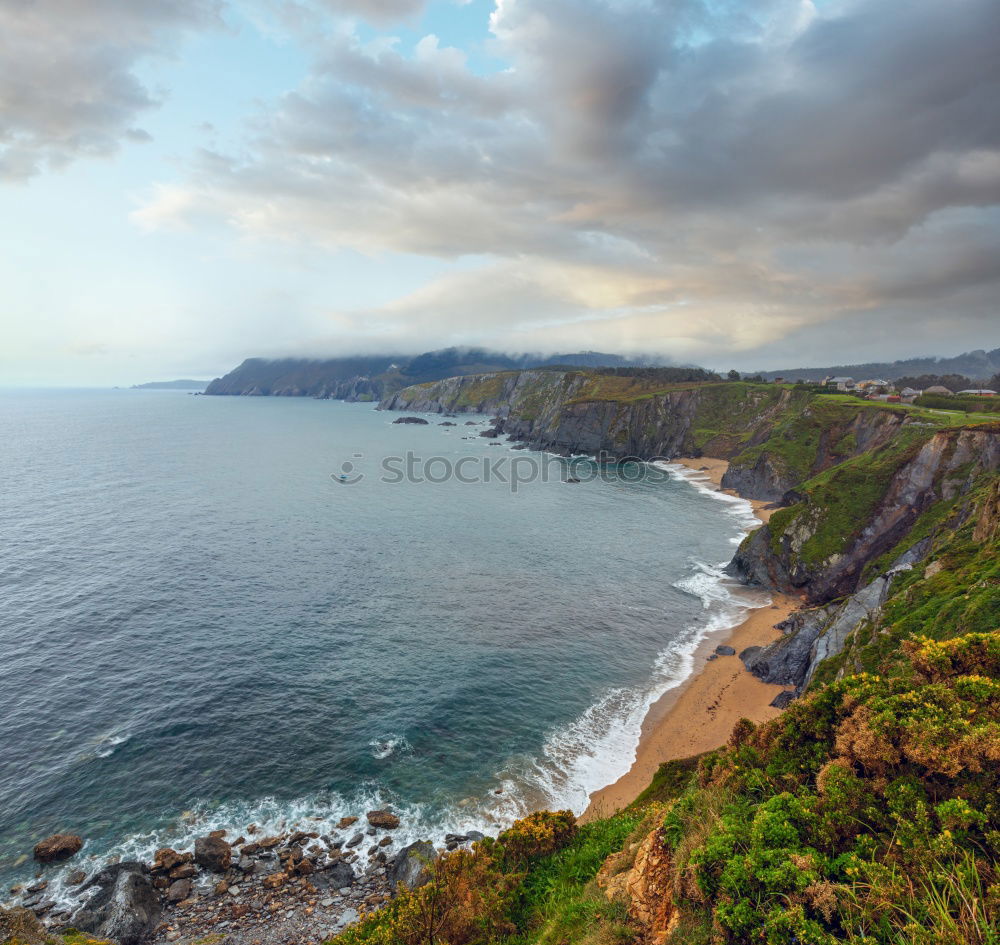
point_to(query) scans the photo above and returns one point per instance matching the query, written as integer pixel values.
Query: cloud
(381, 12)
(665, 173)
(68, 87)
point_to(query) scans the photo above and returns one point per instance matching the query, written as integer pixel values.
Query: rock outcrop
(123, 904)
(412, 866)
(22, 927)
(645, 886)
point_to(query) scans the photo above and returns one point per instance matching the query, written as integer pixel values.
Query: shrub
(467, 899)
(537, 835)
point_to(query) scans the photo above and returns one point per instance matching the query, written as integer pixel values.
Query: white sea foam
(387, 745)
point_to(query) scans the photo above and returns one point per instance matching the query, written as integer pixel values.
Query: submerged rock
(60, 846)
(123, 905)
(419, 420)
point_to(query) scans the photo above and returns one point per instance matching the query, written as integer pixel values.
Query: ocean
(203, 625)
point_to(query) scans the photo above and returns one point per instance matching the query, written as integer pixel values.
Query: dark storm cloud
(67, 82)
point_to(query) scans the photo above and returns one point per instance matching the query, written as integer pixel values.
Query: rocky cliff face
(575, 412)
(817, 546)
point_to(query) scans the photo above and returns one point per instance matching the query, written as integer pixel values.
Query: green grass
(672, 778)
(841, 500)
(559, 903)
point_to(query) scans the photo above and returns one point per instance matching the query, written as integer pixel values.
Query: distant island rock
(183, 384)
(411, 420)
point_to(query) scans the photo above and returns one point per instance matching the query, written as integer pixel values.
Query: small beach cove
(699, 715)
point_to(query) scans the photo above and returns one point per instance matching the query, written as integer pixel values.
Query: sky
(758, 185)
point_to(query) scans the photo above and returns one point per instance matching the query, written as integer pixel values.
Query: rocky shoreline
(301, 887)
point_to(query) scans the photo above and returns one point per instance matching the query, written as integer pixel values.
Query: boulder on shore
(60, 846)
(213, 853)
(166, 859)
(179, 890)
(339, 874)
(412, 865)
(123, 905)
(383, 819)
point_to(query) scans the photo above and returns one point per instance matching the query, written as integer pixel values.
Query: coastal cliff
(773, 436)
(368, 378)
(855, 481)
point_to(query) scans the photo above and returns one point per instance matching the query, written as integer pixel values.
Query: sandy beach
(700, 714)
(715, 469)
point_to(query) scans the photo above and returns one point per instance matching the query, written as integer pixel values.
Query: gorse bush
(467, 899)
(873, 791)
(537, 835)
(469, 896)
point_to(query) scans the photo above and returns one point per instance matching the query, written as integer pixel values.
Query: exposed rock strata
(943, 467)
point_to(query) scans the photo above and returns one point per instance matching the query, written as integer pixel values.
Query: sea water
(203, 625)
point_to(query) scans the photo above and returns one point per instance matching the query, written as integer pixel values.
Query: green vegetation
(967, 404)
(532, 875)
(488, 387)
